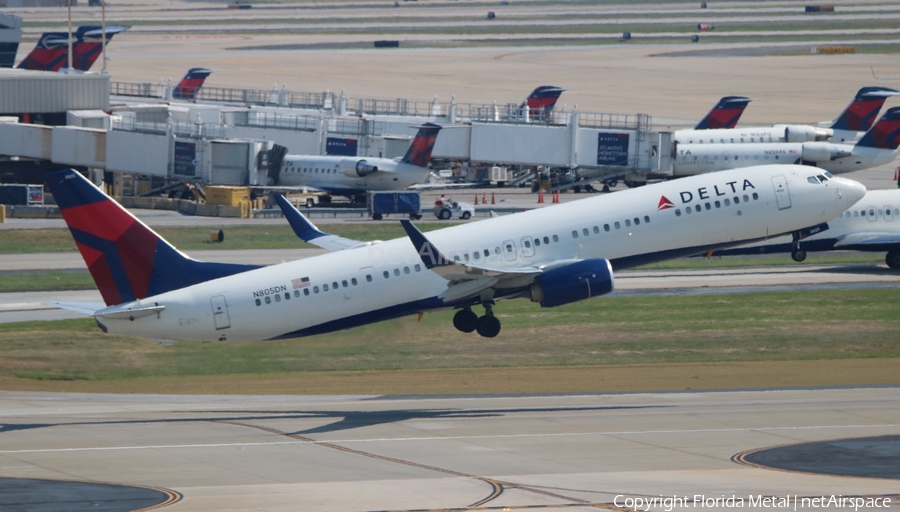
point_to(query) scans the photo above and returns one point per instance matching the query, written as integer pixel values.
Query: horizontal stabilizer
(85, 308)
(119, 313)
(309, 233)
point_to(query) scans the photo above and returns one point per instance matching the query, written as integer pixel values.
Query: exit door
(782, 194)
(220, 312)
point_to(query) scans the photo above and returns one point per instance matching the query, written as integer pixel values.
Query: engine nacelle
(357, 168)
(802, 133)
(573, 282)
(823, 152)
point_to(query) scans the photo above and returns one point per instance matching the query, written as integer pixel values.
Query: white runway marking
(446, 438)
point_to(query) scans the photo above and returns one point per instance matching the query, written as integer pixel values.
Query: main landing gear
(487, 326)
(797, 254)
(893, 259)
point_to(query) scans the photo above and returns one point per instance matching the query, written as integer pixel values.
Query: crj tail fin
(724, 114)
(886, 132)
(88, 44)
(50, 53)
(127, 260)
(862, 111)
(191, 83)
(541, 101)
(419, 152)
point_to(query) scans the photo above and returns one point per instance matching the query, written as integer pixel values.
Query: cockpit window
(813, 180)
(829, 174)
(822, 178)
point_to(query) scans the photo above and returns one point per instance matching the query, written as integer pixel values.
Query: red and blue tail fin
(725, 114)
(127, 260)
(886, 132)
(541, 101)
(191, 83)
(860, 114)
(419, 152)
(88, 44)
(50, 53)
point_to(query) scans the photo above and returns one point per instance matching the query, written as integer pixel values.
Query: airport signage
(612, 149)
(185, 163)
(340, 147)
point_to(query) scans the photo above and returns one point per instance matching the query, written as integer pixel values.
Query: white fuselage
(341, 175)
(693, 159)
(875, 215)
(387, 280)
(754, 135)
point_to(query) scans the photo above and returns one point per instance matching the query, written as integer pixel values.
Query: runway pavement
(581, 452)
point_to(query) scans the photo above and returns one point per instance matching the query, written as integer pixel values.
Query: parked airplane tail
(191, 83)
(541, 101)
(419, 152)
(862, 111)
(886, 132)
(127, 260)
(50, 53)
(88, 44)
(725, 113)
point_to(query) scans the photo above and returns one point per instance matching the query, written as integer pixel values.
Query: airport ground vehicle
(381, 203)
(453, 208)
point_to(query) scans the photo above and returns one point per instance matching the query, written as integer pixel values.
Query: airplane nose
(852, 191)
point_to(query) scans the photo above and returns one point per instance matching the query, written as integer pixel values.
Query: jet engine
(823, 152)
(572, 282)
(800, 133)
(357, 168)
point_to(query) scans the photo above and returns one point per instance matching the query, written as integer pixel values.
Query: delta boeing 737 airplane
(554, 256)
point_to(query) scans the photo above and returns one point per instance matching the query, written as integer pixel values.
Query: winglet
(431, 257)
(303, 228)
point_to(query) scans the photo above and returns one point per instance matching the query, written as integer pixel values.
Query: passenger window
(677, 212)
(596, 230)
(737, 200)
(646, 219)
(606, 227)
(617, 225)
(324, 287)
(755, 196)
(496, 250)
(537, 242)
(574, 234)
(727, 202)
(708, 206)
(287, 296)
(296, 294)
(476, 254)
(856, 214)
(268, 300)
(746, 198)
(316, 289)
(334, 285)
(718, 204)
(344, 284)
(555, 238)
(509, 248)
(418, 267)
(487, 253)
(546, 241)
(687, 210)
(397, 270)
(406, 269)
(368, 278)
(527, 244)
(637, 221)
(698, 208)
(387, 274)
(354, 282)
(306, 291)
(627, 223)
(585, 232)
(465, 257)
(455, 258)
(258, 302)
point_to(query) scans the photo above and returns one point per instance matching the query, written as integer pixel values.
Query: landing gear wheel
(893, 259)
(488, 326)
(465, 320)
(798, 255)
(465, 216)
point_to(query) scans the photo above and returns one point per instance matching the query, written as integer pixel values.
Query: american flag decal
(303, 282)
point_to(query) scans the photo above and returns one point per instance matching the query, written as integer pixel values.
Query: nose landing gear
(488, 326)
(797, 254)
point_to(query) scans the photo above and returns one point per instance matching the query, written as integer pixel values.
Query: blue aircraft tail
(127, 260)
(191, 83)
(725, 114)
(886, 132)
(862, 111)
(419, 152)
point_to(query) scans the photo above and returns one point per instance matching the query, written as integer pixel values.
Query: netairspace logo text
(788, 502)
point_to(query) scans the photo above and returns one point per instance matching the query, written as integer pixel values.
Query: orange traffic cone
(476, 198)
(556, 196)
(484, 198)
(540, 196)
(895, 173)
(493, 199)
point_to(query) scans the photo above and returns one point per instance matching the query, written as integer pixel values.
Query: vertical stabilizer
(419, 152)
(725, 113)
(886, 132)
(862, 111)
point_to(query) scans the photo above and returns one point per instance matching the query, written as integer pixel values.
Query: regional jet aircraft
(352, 176)
(553, 256)
(849, 126)
(871, 225)
(877, 147)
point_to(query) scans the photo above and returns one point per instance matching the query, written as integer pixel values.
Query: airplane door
(527, 247)
(888, 213)
(782, 194)
(509, 250)
(871, 215)
(220, 312)
(368, 282)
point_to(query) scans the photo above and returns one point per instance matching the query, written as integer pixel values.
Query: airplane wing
(868, 239)
(443, 186)
(309, 233)
(467, 280)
